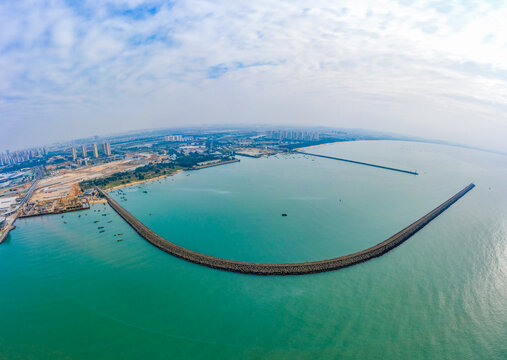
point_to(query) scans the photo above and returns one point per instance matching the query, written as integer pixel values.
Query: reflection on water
(69, 291)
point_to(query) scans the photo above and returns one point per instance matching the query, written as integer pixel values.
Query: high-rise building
(74, 154)
(83, 150)
(95, 150)
(107, 149)
(174, 138)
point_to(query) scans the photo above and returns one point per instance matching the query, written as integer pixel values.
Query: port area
(57, 206)
(50, 198)
(60, 193)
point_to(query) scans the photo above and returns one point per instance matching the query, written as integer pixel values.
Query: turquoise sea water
(70, 292)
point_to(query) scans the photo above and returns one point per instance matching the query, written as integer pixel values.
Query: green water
(70, 292)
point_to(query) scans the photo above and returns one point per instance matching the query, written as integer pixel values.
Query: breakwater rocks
(282, 269)
(359, 163)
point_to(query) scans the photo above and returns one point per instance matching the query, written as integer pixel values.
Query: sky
(73, 69)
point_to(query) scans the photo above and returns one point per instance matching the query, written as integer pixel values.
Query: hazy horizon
(435, 70)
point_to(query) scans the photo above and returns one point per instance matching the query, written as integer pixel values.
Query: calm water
(70, 292)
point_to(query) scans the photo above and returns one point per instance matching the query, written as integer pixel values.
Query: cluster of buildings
(176, 138)
(106, 150)
(293, 135)
(17, 157)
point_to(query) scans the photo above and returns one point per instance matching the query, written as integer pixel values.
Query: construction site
(60, 192)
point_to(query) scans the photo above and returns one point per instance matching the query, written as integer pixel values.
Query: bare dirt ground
(255, 152)
(65, 184)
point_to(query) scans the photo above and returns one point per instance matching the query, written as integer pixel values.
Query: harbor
(282, 269)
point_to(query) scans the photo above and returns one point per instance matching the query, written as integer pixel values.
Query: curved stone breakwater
(282, 269)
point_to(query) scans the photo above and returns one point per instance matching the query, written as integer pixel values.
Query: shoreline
(311, 146)
(143, 181)
(6, 230)
(215, 164)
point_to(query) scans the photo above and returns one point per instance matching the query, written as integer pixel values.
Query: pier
(282, 269)
(359, 163)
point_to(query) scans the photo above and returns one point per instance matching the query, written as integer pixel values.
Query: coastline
(101, 201)
(143, 181)
(214, 164)
(311, 146)
(7, 229)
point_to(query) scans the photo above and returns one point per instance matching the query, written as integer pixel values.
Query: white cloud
(424, 68)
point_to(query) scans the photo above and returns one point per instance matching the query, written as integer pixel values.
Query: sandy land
(65, 184)
(97, 201)
(143, 181)
(254, 152)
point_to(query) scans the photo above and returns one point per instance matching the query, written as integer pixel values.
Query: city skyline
(428, 69)
(223, 179)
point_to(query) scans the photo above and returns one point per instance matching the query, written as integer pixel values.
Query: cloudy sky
(72, 68)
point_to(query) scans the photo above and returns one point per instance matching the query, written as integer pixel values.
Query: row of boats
(100, 228)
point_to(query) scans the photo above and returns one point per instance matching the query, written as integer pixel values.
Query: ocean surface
(70, 292)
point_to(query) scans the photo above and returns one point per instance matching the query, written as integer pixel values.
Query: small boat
(65, 222)
(110, 221)
(119, 240)
(104, 214)
(96, 221)
(120, 233)
(100, 227)
(62, 215)
(284, 214)
(144, 191)
(101, 231)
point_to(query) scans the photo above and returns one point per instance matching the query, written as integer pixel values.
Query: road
(11, 216)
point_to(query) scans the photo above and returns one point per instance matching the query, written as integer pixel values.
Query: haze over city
(267, 179)
(71, 69)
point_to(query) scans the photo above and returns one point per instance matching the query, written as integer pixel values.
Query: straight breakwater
(282, 269)
(359, 163)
